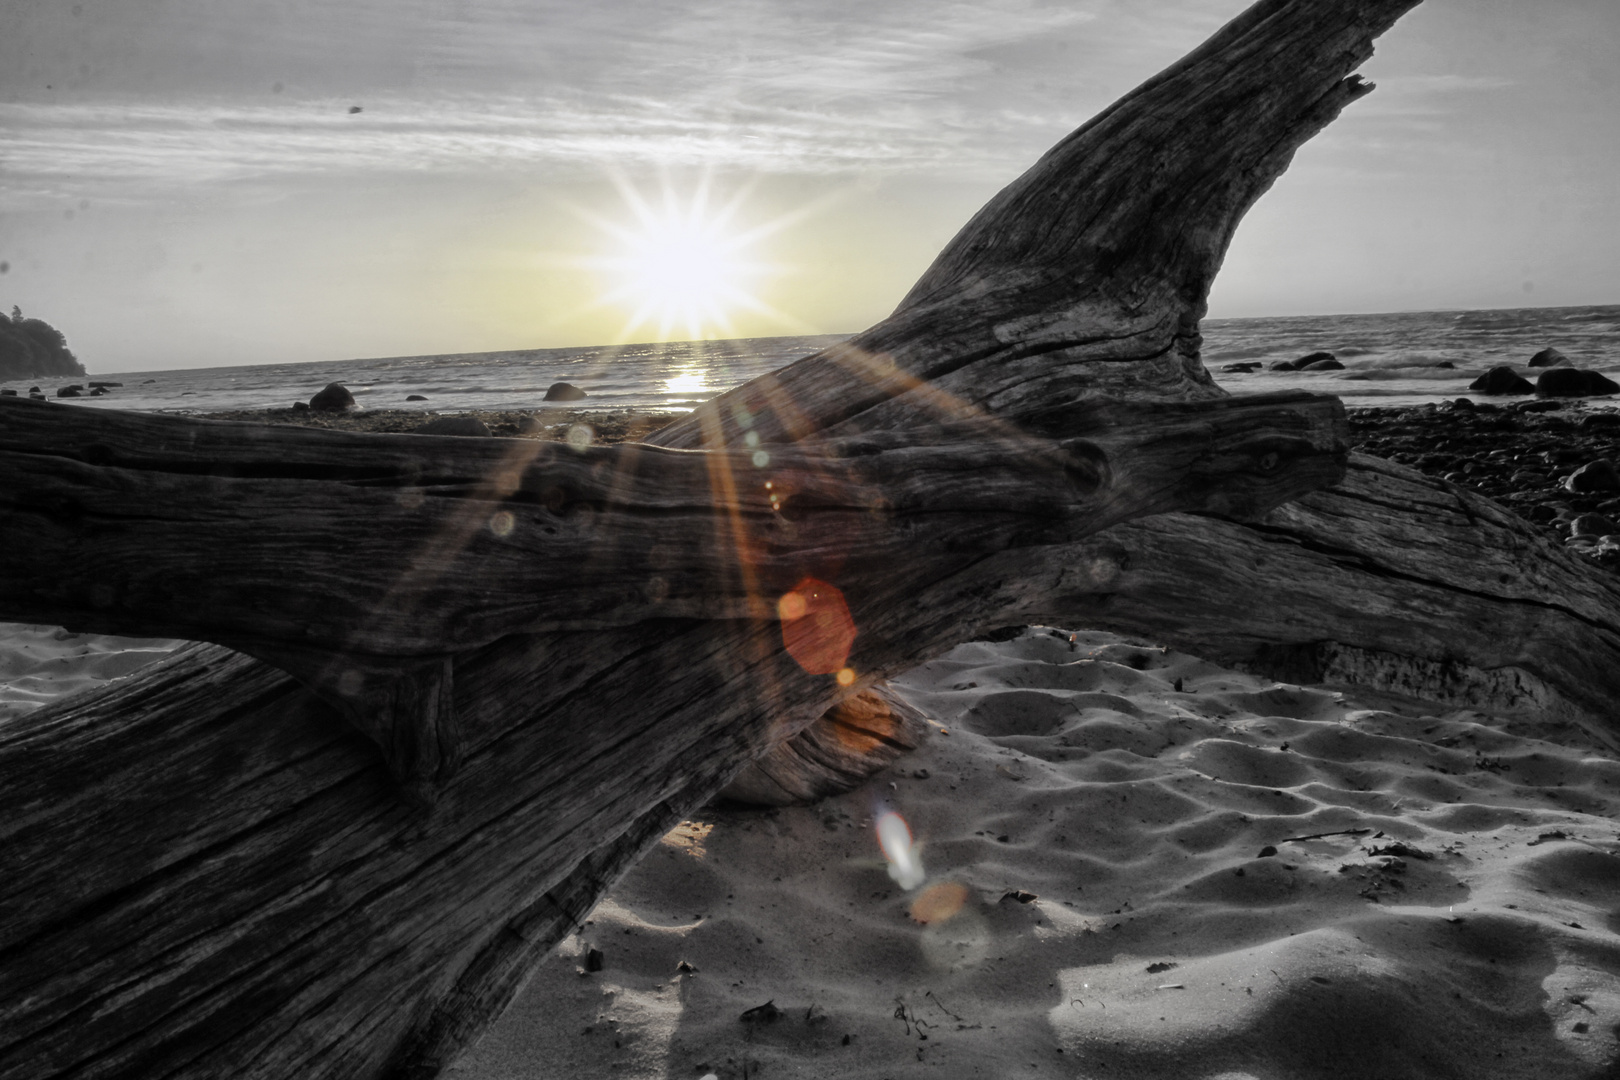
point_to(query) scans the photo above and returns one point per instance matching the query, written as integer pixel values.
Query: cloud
(742, 84)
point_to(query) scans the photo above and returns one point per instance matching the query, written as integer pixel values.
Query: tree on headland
(30, 347)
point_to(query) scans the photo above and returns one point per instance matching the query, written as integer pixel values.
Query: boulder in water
(70, 391)
(415, 397)
(454, 425)
(1548, 358)
(528, 425)
(1314, 358)
(561, 391)
(1573, 382)
(1243, 368)
(1502, 380)
(335, 398)
(1327, 363)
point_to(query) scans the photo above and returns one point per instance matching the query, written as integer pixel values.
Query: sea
(1390, 360)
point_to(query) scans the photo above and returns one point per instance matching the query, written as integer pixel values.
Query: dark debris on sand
(1520, 456)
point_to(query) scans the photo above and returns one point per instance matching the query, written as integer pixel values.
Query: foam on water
(1390, 360)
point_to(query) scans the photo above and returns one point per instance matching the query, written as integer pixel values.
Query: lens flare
(939, 903)
(905, 862)
(817, 628)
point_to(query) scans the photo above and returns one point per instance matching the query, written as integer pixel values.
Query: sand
(39, 664)
(1138, 865)
(1105, 813)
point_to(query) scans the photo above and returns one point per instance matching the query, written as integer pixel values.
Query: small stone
(1021, 896)
(594, 960)
(562, 391)
(1447, 364)
(1267, 852)
(334, 398)
(1462, 404)
(1501, 380)
(1594, 476)
(1548, 358)
(528, 425)
(454, 425)
(300, 406)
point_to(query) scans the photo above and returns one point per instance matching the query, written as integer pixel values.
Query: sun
(681, 266)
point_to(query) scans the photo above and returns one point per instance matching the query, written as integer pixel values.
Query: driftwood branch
(209, 872)
(365, 565)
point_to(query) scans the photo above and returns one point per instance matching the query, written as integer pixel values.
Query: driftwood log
(209, 868)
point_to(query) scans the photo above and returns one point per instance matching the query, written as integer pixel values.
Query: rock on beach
(1574, 382)
(334, 398)
(562, 391)
(1502, 380)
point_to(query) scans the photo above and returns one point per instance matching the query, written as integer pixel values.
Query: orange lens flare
(939, 903)
(817, 627)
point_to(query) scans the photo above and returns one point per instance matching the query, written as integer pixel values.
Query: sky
(193, 183)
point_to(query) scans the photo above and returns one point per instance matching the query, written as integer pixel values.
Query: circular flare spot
(846, 676)
(939, 903)
(817, 628)
(501, 522)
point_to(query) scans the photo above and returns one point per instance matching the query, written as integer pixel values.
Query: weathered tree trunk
(208, 868)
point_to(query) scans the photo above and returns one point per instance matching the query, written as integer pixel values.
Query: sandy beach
(1138, 864)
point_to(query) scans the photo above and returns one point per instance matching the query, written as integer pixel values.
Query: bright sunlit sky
(185, 182)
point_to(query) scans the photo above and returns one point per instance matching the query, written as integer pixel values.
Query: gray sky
(182, 182)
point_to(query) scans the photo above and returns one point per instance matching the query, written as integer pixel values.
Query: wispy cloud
(744, 84)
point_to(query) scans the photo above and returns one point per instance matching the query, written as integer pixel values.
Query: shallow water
(1390, 360)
